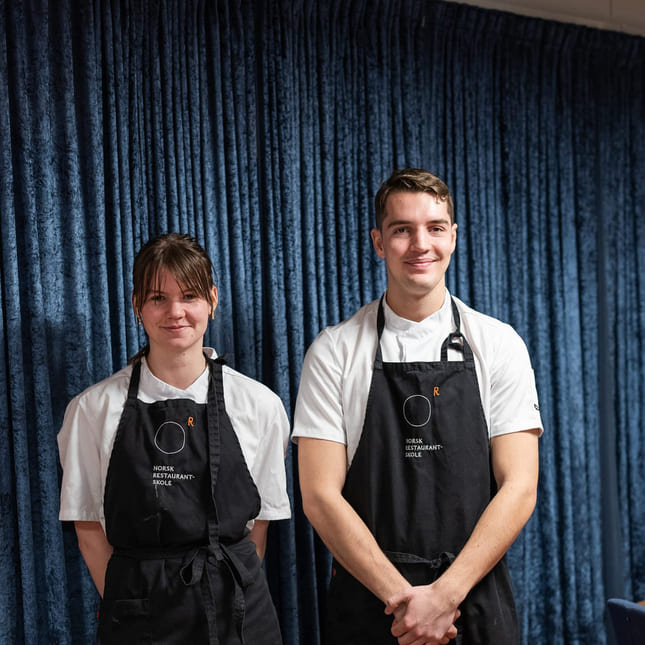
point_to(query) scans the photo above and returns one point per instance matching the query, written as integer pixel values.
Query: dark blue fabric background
(264, 128)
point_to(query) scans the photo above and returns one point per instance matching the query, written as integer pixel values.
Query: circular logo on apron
(417, 410)
(170, 438)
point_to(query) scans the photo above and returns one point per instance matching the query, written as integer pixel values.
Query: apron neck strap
(135, 377)
(213, 414)
(380, 325)
(455, 339)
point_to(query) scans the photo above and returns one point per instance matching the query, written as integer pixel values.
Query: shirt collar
(193, 391)
(399, 325)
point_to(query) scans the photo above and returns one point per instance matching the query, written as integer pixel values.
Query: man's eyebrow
(407, 222)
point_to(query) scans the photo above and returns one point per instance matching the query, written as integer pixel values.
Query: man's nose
(421, 239)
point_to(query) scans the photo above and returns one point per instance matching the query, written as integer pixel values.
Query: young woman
(172, 469)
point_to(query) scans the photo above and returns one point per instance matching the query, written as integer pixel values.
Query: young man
(417, 426)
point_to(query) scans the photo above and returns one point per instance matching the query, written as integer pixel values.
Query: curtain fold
(623, 276)
(264, 129)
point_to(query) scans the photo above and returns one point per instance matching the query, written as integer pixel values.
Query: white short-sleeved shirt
(337, 371)
(91, 420)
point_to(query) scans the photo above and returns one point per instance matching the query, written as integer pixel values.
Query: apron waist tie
(442, 561)
(192, 573)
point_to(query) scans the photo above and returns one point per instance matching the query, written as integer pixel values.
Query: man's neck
(416, 309)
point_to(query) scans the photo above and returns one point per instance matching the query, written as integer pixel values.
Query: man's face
(416, 241)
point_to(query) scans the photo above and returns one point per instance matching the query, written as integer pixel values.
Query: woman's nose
(175, 308)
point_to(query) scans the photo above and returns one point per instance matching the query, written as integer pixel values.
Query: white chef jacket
(337, 371)
(91, 420)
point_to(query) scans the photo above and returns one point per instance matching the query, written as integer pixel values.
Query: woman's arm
(96, 550)
(258, 535)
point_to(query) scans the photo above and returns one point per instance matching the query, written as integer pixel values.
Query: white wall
(617, 15)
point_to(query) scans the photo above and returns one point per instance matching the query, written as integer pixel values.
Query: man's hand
(422, 616)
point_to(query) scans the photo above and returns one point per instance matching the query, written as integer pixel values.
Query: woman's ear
(214, 301)
(137, 310)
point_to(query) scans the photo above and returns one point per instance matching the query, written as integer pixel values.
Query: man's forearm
(353, 545)
(322, 467)
(494, 533)
(515, 466)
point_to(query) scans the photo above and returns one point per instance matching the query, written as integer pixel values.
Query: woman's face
(175, 320)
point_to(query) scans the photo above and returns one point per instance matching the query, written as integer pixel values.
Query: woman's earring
(213, 313)
(138, 319)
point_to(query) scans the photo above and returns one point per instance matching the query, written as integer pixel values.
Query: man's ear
(454, 236)
(377, 242)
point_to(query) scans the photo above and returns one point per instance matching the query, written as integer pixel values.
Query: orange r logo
(436, 392)
(190, 421)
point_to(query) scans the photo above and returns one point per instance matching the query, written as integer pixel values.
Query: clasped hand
(422, 616)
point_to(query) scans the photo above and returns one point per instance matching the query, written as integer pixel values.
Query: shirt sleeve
(514, 402)
(80, 455)
(262, 428)
(268, 470)
(319, 406)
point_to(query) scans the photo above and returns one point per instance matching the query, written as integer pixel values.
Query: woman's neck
(179, 370)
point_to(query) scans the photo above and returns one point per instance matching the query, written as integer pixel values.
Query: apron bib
(420, 479)
(178, 495)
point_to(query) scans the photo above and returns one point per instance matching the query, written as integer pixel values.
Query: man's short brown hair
(411, 180)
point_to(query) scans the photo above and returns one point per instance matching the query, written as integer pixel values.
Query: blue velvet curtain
(264, 128)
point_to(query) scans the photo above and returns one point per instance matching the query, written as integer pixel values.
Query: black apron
(178, 495)
(420, 479)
